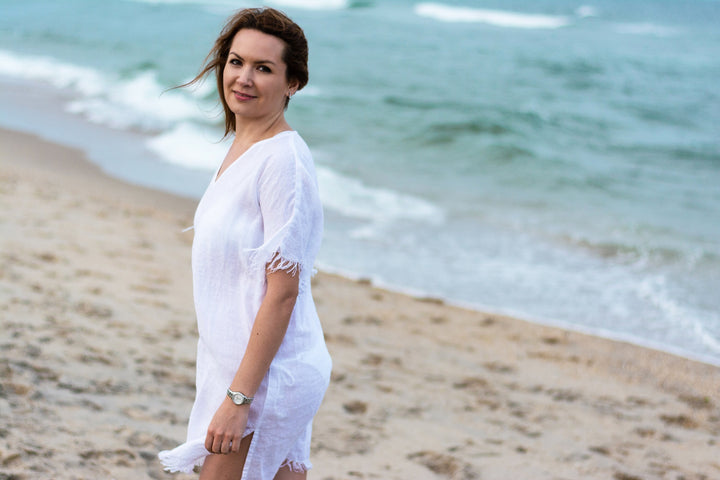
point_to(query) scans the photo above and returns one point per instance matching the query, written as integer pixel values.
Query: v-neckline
(217, 176)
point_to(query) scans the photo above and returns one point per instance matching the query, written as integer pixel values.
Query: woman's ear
(292, 88)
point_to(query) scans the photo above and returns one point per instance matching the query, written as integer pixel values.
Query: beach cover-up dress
(263, 209)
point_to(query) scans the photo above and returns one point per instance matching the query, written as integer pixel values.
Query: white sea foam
(654, 290)
(312, 4)
(310, 91)
(137, 102)
(584, 11)
(203, 88)
(191, 146)
(83, 80)
(353, 198)
(646, 28)
(233, 5)
(199, 147)
(498, 18)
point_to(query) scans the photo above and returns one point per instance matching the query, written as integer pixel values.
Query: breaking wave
(498, 18)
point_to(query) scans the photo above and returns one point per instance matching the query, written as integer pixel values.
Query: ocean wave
(138, 102)
(191, 146)
(309, 91)
(498, 18)
(625, 253)
(313, 4)
(705, 156)
(424, 104)
(200, 147)
(643, 255)
(83, 80)
(447, 132)
(352, 198)
(414, 103)
(233, 5)
(584, 11)
(647, 28)
(573, 70)
(655, 291)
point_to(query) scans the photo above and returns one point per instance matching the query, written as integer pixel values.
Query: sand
(98, 343)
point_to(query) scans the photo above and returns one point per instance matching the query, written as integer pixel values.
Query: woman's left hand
(226, 428)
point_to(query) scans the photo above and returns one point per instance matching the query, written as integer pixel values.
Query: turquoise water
(556, 160)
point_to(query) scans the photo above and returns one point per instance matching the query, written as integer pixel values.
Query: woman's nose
(245, 76)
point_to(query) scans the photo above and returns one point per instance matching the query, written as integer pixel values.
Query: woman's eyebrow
(258, 61)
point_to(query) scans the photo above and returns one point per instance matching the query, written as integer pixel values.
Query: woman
(262, 364)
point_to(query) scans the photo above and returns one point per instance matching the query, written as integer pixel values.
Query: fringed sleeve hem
(287, 196)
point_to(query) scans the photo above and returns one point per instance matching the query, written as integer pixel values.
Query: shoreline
(96, 303)
(604, 334)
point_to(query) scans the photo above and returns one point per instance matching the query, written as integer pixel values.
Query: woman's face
(254, 77)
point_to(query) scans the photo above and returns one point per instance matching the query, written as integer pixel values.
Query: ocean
(554, 160)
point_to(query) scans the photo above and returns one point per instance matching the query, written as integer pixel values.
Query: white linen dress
(264, 208)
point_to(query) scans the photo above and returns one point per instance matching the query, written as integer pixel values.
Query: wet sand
(98, 343)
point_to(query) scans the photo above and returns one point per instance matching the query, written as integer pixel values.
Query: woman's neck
(248, 132)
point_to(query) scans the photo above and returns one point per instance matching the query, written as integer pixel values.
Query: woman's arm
(228, 424)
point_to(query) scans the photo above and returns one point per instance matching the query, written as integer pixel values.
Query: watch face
(237, 399)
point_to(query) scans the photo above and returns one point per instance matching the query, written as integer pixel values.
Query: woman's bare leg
(286, 474)
(228, 466)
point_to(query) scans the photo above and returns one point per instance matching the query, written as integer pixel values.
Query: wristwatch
(239, 398)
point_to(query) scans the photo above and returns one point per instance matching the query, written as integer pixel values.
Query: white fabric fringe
(297, 467)
(185, 457)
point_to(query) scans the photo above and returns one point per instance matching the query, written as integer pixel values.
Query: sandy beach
(98, 347)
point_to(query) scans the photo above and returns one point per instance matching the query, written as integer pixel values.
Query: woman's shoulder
(289, 142)
(287, 150)
(286, 158)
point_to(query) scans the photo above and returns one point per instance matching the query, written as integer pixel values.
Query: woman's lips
(243, 96)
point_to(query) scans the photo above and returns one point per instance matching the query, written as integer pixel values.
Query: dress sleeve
(286, 194)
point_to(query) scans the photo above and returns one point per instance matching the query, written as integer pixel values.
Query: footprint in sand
(93, 310)
(445, 465)
(355, 407)
(697, 402)
(645, 432)
(563, 395)
(681, 420)
(362, 319)
(497, 367)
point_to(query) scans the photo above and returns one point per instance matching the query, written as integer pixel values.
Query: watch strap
(244, 399)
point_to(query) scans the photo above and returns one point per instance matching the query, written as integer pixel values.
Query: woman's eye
(235, 61)
(264, 69)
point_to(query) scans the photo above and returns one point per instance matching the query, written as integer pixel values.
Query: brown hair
(271, 22)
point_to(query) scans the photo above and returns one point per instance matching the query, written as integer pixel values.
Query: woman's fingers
(218, 443)
(224, 435)
(235, 447)
(225, 446)
(213, 443)
(209, 442)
